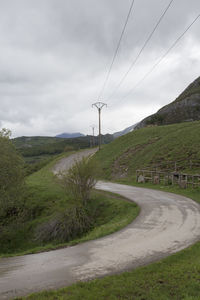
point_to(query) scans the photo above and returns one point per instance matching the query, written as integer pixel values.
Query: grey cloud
(54, 56)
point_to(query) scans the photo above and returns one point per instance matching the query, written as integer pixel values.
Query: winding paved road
(167, 223)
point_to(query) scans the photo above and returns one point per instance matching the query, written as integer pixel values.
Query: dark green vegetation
(186, 107)
(38, 151)
(11, 179)
(34, 146)
(48, 209)
(25, 141)
(158, 146)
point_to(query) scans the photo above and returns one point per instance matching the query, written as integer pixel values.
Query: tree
(11, 176)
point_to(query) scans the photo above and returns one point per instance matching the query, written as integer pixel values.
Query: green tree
(11, 176)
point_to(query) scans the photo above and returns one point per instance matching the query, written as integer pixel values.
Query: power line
(116, 51)
(162, 57)
(142, 49)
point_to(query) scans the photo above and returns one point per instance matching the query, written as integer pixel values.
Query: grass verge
(189, 192)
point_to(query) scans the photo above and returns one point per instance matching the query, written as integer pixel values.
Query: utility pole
(99, 106)
(90, 142)
(93, 140)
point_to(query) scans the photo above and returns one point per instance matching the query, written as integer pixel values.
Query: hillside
(67, 135)
(185, 108)
(30, 141)
(158, 146)
(36, 149)
(125, 131)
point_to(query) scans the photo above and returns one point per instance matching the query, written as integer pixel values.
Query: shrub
(64, 226)
(156, 119)
(80, 179)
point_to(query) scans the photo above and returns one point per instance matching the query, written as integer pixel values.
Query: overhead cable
(162, 57)
(117, 49)
(142, 49)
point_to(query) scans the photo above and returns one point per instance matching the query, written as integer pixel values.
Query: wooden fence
(168, 178)
(174, 166)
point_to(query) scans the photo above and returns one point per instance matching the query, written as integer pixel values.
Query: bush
(64, 226)
(156, 119)
(79, 180)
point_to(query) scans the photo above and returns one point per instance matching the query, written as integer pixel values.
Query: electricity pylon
(99, 106)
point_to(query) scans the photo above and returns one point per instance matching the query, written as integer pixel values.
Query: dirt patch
(120, 166)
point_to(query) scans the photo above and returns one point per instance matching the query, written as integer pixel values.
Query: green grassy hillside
(158, 146)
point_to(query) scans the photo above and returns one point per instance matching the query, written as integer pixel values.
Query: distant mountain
(125, 131)
(184, 109)
(67, 135)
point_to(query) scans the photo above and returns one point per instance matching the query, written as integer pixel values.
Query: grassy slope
(45, 198)
(176, 277)
(151, 146)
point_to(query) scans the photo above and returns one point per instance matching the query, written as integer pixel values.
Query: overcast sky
(54, 56)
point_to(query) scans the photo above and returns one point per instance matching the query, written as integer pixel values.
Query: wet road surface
(167, 223)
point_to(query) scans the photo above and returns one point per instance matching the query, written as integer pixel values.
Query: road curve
(167, 223)
(66, 163)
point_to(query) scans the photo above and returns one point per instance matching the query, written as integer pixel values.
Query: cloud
(54, 56)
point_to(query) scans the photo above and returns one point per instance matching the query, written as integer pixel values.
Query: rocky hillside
(185, 108)
(125, 131)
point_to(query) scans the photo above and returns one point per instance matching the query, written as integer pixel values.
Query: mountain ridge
(185, 108)
(67, 135)
(124, 131)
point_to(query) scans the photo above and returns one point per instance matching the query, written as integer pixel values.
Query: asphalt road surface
(167, 223)
(66, 163)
